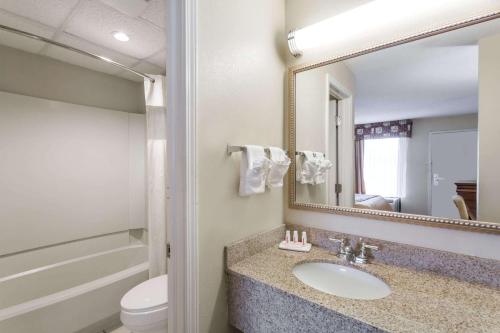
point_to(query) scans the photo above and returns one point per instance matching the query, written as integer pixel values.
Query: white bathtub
(77, 295)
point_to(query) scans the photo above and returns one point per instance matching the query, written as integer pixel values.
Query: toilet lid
(149, 295)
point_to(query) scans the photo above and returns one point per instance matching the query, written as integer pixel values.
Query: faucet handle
(368, 246)
(337, 240)
(344, 243)
(362, 258)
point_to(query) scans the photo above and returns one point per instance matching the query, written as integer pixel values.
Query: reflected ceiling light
(121, 36)
(375, 15)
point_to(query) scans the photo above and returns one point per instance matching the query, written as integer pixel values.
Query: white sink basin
(341, 281)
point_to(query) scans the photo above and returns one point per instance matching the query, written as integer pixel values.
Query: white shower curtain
(156, 164)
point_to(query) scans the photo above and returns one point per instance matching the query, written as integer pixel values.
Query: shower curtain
(156, 165)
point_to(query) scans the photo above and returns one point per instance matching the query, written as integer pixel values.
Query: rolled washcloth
(253, 170)
(312, 168)
(323, 166)
(306, 168)
(278, 168)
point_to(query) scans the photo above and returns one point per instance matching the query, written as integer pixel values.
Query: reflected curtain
(359, 151)
(156, 168)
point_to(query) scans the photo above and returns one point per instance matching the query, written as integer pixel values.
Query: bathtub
(77, 295)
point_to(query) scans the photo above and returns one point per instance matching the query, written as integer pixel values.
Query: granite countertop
(419, 302)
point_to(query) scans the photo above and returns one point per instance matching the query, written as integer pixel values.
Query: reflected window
(384, 166)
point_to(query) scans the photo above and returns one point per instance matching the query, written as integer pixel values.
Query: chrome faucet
(362, 258)
(347, 252)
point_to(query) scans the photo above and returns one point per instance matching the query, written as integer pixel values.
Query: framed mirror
(404, 132)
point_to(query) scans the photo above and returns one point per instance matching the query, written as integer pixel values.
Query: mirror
(407, 129)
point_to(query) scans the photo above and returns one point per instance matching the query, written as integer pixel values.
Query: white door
(453, 158)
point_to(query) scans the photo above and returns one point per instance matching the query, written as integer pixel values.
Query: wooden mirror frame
(477, 226)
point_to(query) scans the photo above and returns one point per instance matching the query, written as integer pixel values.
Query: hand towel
(278, 167)
(323, 165)
(253, 170)
(313, 168)
(306, 168)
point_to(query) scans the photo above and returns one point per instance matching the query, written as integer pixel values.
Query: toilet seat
(149, 295)
(145, 307)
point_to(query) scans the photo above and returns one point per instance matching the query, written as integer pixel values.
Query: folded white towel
(312, 168)
(253, 170)
(278, 168)
(323, 166)
(306, 168)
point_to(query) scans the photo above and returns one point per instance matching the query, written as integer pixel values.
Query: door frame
(429, 162)
(182, 222)
(345, 162)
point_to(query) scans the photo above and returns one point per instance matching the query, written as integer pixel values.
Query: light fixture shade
(377, 16)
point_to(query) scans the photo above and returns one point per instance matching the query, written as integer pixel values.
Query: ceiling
(433, 77)
(88, 25)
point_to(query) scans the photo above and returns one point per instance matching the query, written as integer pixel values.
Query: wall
(489, 134)
(484, 245)
(66, 172)
(241, 75)
(417, 172)
(38, 76)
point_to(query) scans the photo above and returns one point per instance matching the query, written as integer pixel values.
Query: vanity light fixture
(376, 15)
(121, 36)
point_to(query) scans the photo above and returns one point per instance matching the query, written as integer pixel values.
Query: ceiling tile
(95, 22)
(156, 12)
(132, 8)
(21, 42)
(159, 59)
(49, 12)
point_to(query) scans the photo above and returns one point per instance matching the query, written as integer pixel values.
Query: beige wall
(66, 172)
(417, 172)
(478, 244)
(489, 133)
(241, 93)
(38, 76)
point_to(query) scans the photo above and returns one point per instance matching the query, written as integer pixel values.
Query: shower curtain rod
(92, 55)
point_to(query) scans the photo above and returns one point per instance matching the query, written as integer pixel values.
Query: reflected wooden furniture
(463, 211)
(467, 189)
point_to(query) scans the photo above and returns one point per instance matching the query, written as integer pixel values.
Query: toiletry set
(294, 244)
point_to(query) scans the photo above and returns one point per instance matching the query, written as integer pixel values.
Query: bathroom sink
(341, 281)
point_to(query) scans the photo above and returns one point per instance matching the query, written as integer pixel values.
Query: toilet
(144, 308)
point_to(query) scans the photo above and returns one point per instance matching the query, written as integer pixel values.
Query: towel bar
(234, 149)
(301, 153)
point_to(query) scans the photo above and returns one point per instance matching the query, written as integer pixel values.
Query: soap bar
(295, 246)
